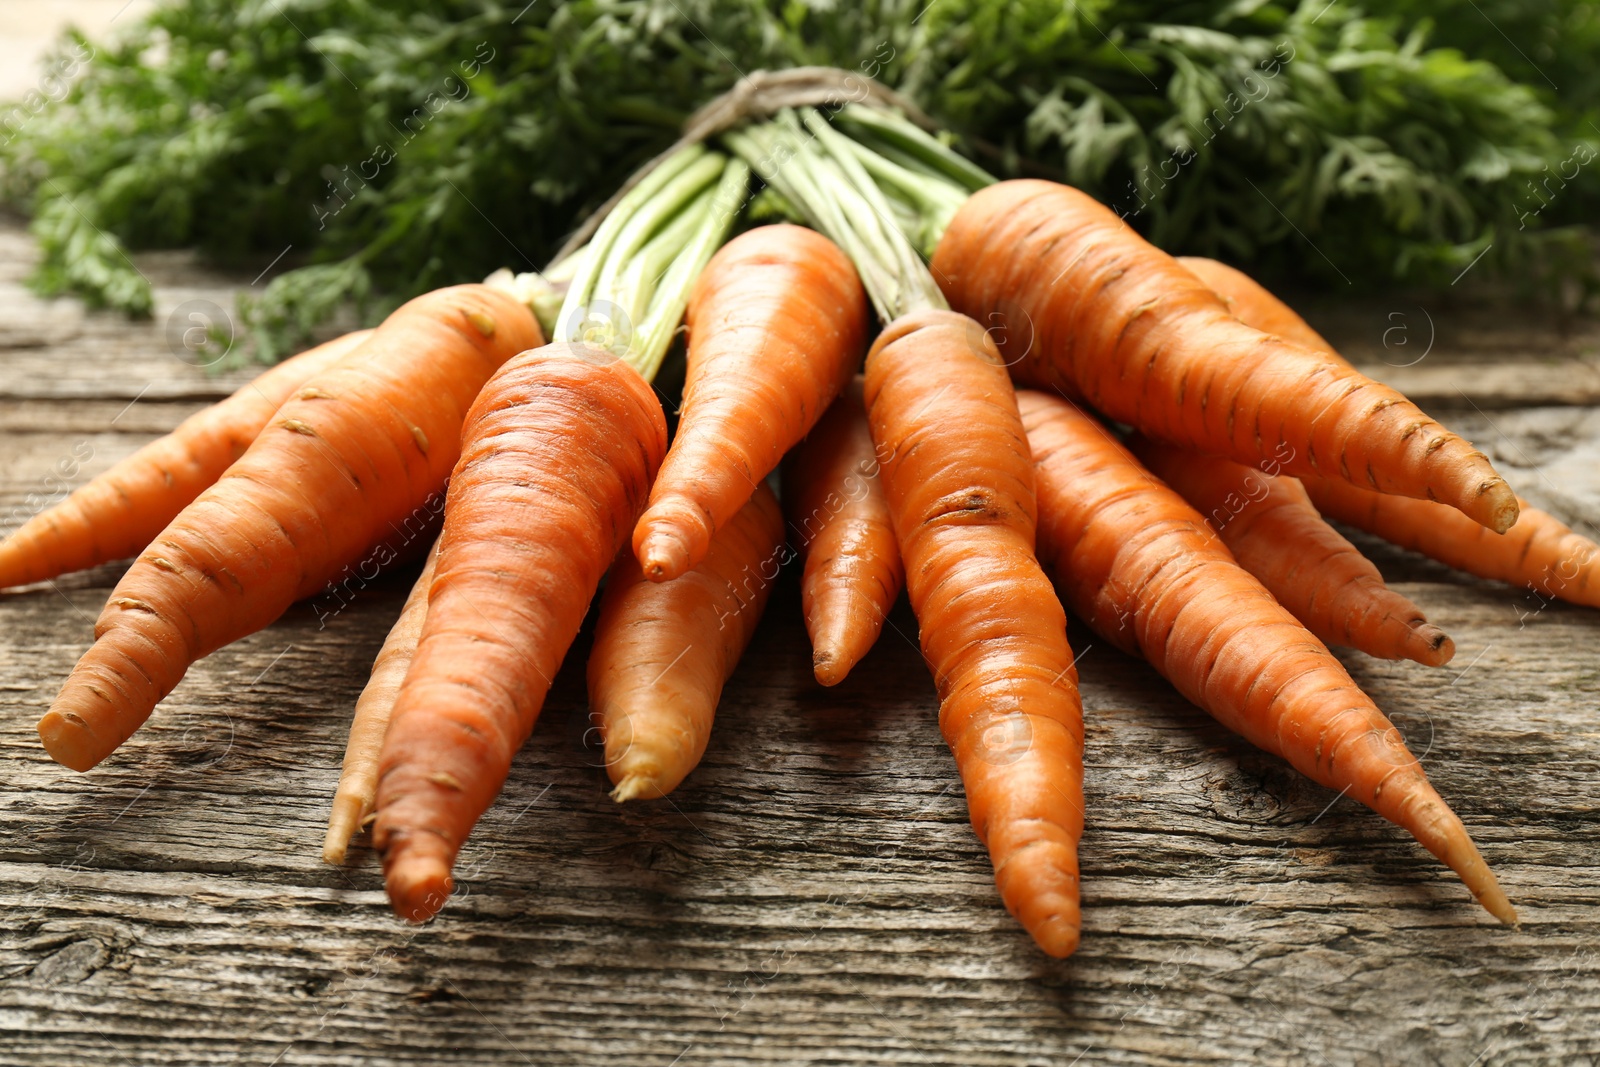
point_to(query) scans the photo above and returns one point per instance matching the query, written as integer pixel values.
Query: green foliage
(393, 147)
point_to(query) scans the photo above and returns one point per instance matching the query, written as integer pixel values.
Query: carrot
(1253, 305)
(556, 461)
(1141, 568)
(357, 792)
(662, 650)
(1540, 551)
(958, 477)
(776, 327)
(1083, 304)
(839, 517)
(1272, 529)
(338, 473)
(118, 513)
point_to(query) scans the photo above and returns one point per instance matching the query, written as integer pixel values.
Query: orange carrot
(1540, 552)
(1253, 305)
(959, 480)
(662, 650)
(556, 460)
(118, 513)
(357, 792)
(1085, 305)
(776, 326)
(1143, 570)
(839, 516)
(1272, 529)
(339, 470)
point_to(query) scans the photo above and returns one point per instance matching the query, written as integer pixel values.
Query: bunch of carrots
(1052, 415)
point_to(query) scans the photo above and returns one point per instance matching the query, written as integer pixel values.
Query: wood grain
(812, 894)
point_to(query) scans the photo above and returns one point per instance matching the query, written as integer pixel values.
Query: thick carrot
(776, 326)
(556, 460)
(1272, 529)
(1253, 305)
(839, 518)
(357, 792)
(118, 513)
(959, 480)
(1083, 304)
(338, 473)
(1140, 567)
(1540, 551)
(662, 650)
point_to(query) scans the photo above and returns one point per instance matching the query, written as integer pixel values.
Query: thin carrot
(1272, 529)
(357, 792)
(839, 517)
(776, 327)
(1253, 305)
(1540, 552)
(337, 473)
(116, 514)
(1083, 304)
(662, 650)
(959, 480)
(1142, 569)
(556, 461)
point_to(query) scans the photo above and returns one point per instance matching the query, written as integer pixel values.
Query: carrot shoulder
(339, 471)
(557, 456)
(839, 517)
(357, 792)
(959, 480)
(1083, 304)
(776, 326)
(662, 650)
(119, 512)
(1142, 569)
(1272, 529)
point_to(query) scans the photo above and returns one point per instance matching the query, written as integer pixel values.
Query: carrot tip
(829, 666)
(1500, 507)
(418, 887)
(69, 741)
(663, 556)
(1433, 647)
(1057, 935)
(342, 826)
(636, 786)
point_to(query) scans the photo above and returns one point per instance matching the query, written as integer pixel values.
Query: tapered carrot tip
(70, 740)
(663, 554)
(418, 886)
(1497, 506)
(342, 826)
(1430, 646)
(637, 787)
(828, 665)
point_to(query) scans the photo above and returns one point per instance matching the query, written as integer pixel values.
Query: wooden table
(813, 893)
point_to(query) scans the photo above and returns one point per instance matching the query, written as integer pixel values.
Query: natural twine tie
(758, 95)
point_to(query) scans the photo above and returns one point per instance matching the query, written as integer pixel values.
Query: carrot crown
(630, 284)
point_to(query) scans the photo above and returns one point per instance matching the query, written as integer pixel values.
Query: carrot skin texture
(557, 456)
(1255, 306)
(1082, 304)
(776, 322)
(116, 514)
(357, 792)
(1272, 529)
(1141, 567)
(959, 480)
(839, 516)
(1540, 552)
(349, 461)
(662, 650)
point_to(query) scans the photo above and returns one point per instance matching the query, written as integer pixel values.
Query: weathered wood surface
(813, 894)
